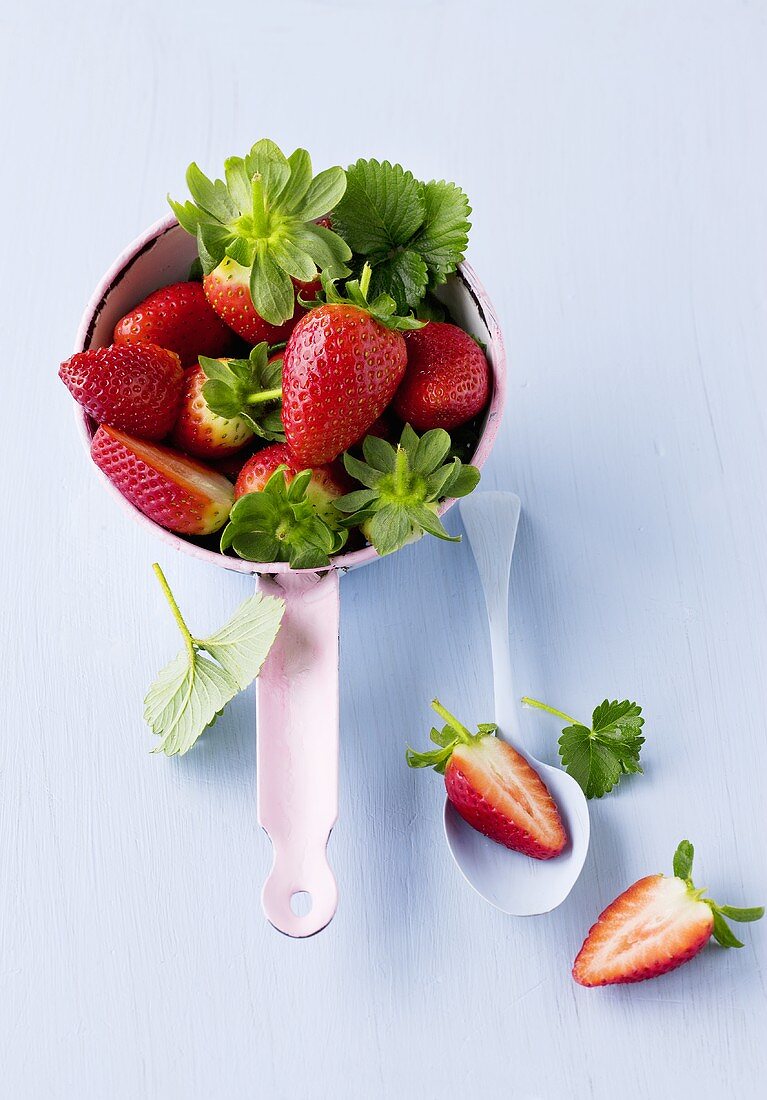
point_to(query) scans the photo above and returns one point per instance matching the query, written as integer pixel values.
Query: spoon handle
(491, 520)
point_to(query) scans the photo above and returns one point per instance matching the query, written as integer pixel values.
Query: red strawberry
(169, 488)
(201, 432)
(134, 388)
(227, 288)
(493, 788)
(177, 317)
(656, 925)
(342, 365)
(327, 481)
(446, 382)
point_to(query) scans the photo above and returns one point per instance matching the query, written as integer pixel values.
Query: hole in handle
(301, 902)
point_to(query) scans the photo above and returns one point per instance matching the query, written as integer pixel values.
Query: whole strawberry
(225, 402)
(285, 513)
(169, 488)
(446, 382)
(177, 317)
(135, 387)
(326, 483)
(227, 289)
(199, 431)
(258, 235)
(342, 365)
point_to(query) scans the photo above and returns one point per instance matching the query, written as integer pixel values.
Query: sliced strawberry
(133, 388)
(227, 289)
(199, 431)
(656, 925)
(447, 380)
(327, 482)
(171, 489)
(180, 318)
(502, 796)
(493, 788)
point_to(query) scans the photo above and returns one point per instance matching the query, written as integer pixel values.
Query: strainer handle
(297, 751)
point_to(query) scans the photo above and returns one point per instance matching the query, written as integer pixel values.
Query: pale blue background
(614, 155)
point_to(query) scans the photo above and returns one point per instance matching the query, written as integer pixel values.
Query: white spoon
(512, 882)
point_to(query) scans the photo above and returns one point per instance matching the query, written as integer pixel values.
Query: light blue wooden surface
(614, 155)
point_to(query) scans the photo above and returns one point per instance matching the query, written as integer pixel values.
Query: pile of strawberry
(300, 394)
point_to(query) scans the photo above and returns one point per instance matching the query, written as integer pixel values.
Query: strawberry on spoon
(341, 368)
(493, 787)
(655, 926)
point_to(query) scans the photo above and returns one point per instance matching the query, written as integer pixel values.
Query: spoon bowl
(510, 881)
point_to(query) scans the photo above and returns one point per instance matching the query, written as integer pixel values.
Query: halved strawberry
(656, 925)
(227, 289)
(494, 788)
(326, 484)
(177, 317)
(134, 388)
(169, 488)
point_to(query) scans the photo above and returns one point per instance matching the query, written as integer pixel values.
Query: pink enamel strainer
(297, 691)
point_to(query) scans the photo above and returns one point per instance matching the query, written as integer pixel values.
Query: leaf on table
(192, 690)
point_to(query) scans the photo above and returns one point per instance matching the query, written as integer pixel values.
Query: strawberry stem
(452, 721)
(188, 640)
(259, 206)
(264, 395)
(527, 702)
(401, 471)
(367, 271)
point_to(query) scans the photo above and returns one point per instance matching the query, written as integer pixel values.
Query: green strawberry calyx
(402, 487)
(247, 388)
(263, 217)
(280, 523)
(452, 733)
(722, 933)
(382, 308)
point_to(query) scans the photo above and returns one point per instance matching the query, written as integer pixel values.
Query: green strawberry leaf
(262, 217)
(192, 690)
(451, 734)
(382, 208)
(248, 388)
(722, 932)
(403, 487)
(413, 234)
(683, 858)
(743, 916)
(597, 756)
(403, 276)
(444, 236)
(280, 523)
(383, 308)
